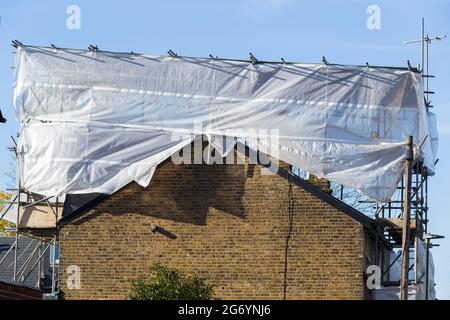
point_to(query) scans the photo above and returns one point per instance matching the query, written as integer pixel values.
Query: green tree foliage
(4, 197)
(170, 284)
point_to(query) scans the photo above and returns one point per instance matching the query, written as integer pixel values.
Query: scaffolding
(404, 219)
(47, 238)
(410, 202)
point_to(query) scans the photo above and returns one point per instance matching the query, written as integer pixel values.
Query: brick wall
(227, 223)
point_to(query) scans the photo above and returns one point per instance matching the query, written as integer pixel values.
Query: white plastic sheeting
(421, 265)
(93, 122)
(395, 271)
(393, 293)
(417, 291)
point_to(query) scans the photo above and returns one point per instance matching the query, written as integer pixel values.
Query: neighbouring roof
(9, 291)
(25, 249)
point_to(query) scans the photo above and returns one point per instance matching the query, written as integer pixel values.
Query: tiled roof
(25, 249)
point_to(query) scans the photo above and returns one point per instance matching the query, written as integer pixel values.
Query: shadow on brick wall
(181, 193)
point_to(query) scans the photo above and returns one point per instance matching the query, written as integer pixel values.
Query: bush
(169, 284)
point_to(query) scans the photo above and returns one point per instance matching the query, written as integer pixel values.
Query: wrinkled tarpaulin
(417, 291)
(93, 122)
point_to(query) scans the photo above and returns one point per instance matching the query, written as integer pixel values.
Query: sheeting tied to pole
(95, 121)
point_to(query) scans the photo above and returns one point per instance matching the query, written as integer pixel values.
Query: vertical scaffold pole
(55, 238)
(39, 284)
(427, 269)
(17, 230)
(422, 32)
(406, 219)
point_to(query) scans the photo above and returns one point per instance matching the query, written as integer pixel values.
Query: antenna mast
(425, 41)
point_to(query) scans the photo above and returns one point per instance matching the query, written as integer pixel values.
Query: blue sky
(296, 30)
